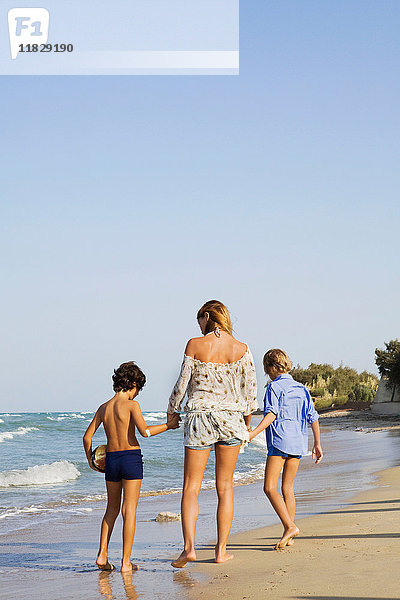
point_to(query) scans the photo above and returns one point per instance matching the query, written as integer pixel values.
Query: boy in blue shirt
(288, 408)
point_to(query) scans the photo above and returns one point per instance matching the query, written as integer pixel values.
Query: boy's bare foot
(129, 567)
(183, 559)
(288, 534)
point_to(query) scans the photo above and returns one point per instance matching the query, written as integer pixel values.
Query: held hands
(173, 420)
(317, 453)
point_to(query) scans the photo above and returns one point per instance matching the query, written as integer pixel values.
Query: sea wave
(253, 474)
(1, 421)
(258, 444)
(56, 472)
(63, 416)
(39, 509)
(9, 435)
(10, 415)
(155, 416)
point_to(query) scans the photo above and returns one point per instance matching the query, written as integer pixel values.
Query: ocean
(45, 477)
(44, 474)
(51, 503)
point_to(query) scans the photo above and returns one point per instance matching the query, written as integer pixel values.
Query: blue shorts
(272, 451)
(231, 442)
(125, 464)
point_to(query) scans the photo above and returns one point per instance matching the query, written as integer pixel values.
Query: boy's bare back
(117, 416)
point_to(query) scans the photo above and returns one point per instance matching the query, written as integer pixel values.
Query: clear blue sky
(126, 202)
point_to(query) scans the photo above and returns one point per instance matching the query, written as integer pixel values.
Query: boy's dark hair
(127, 376)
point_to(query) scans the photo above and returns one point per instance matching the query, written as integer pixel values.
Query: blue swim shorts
(125, 464)
(231, 442)
(272, 451)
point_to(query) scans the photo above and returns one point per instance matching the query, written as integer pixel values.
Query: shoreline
(344, 553)
(60, 554)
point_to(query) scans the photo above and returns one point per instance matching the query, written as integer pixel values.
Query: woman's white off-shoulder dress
(218, 396)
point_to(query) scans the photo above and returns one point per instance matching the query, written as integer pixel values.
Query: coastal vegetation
(388, 363)
(342, 386)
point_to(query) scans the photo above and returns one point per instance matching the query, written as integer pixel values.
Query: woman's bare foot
(129, 567)
(221, 555)
(183, 559)
(288, 534)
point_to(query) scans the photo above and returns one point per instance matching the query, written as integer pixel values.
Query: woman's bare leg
(114, 489)
(288, 475)
(195, 464)
(272, 471)
(131, 489)
(225, 463)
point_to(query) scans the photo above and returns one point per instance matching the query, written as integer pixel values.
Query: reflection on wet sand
(106, 579)
(130, 589)
(185, 579)
(109, 580)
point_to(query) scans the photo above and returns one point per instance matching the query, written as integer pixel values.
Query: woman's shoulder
(241, 347)
(193, 345)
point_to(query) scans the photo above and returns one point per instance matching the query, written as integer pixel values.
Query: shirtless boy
(121, 416)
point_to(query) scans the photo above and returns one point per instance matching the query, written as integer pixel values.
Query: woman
(219, 377)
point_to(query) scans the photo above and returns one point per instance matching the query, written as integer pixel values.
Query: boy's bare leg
(288, 475)
(114, 489)
(131, 489)
(195, 464)
(225, 463)
(272, 471)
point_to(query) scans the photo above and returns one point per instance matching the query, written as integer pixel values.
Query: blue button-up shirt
(292, 404)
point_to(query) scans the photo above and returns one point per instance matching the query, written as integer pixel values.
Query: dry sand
(351, 553)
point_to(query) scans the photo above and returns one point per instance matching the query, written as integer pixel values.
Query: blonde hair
(218, 316)
(277, 359)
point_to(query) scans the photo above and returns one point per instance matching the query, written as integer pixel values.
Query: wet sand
(57, 561)
(351, 553)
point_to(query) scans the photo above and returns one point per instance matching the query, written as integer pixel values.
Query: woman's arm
(250, 383)
(247, 421)
(179, 391)
(142, 426)
(89, 433)
(267, 420)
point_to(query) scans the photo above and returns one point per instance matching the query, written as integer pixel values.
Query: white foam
(1, 421)
(56, 472)
(10, 415)
(9, 435)
(252, 474)
(39, 509)
(64, 416)
(155, 416)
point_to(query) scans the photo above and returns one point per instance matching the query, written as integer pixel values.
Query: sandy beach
(348, 547)
(352, 553)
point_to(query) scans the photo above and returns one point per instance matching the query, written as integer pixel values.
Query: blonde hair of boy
(277, 359)
(219, 316)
